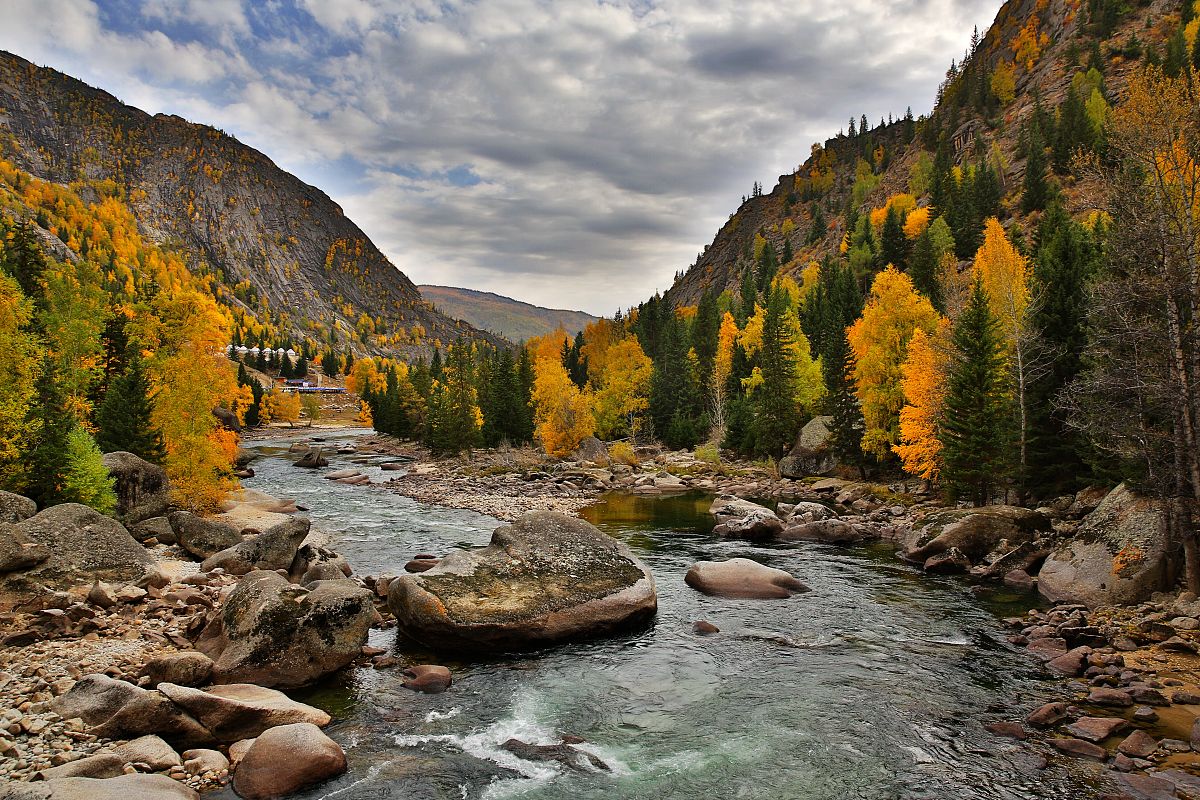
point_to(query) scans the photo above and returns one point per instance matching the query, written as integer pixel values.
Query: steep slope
(284, 257)
(512, 319)
(1046, 43)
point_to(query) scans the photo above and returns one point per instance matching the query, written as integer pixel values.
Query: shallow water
(874, 685)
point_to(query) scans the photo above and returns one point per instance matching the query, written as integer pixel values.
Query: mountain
(279, 253)
(1021, 74)
(512, 319)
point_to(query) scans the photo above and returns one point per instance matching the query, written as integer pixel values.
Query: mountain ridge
(516, 320)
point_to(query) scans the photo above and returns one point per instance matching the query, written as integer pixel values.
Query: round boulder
(15, 508)
(742, 578)
(272, 549)
(201, 537)
(285, 759)
(545, 578)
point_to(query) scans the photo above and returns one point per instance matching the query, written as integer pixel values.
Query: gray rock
(312, 460)
(1120, 555)
(84, 546)
(201, 537)
(811, 454)
(154, 528)
(141, 487)
(834, 531)
(125, 787)
(101, 765)
(741, 519)
(188, 668)
(546, 578)
(274, 548)
(202, 760)
(150, 750)
(976, 532)
(273, 633)
(15, 508)
(312, 564)
(17, 551)
(593, 450)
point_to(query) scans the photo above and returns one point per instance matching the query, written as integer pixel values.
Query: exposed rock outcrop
(546, 578)
(274, 548)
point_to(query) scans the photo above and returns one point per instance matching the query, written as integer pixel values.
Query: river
(874, 685)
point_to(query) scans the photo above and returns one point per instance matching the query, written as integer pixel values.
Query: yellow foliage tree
(598, 337)
(722, 367)
(879, 339)
(623, 390)
(916, 222)
(548, 345)
(365, 375)
(923, 381)
(560, 411)
(1004, 82)
(903, 203)
(18, 360)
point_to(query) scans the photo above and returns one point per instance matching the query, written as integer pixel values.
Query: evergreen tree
(46, 453)
(893, 242)
(776, 417)
(1073, 131)
(705, 328)
(525, 378)
(819, 227)
(302, 367)
(975, 420)
(115, 341)
(86, 479)
(924, 270)
(23, 259)
(454, 424)
(260, 360)
(749, 296)
(1035, 190)
(125, 417)
(847, 425)
(435, 365)
(768, 265)
(331, 365)
(674, 391)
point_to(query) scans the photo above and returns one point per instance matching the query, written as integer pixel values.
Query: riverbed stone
(1096, 729)
(545, 578)
(975, 532)
(313, 459)
(1119, 555)
(1079, 748)
(427, 678)
(241, 711)
(100, 765)
(187, 668)
(313, 563)
(1047, 715)
(1138, 744)
(202, 537)
(274, 548)
(1105, 696)
(150, 750)
(119, 710)
(124, 787)
(84, 546)
(285, 759)
(742, 578)
(741, 519)
(832, 531)
(274, 633)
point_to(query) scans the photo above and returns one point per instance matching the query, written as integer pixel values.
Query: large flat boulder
(239, 711)
(117, 709)
(741, 578)
(545, 578)
(272, 549)
(84, 546)
(141, 487)
(1120, 554)
(273, 633)
(125, 787)
(975, 532)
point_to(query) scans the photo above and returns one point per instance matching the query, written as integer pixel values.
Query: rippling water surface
(874, 685)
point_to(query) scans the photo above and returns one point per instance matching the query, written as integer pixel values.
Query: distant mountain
(280, 254)
(512, 319)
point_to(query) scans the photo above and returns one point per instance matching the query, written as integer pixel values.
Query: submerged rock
(273, 633)
(1120, 554)
(742, 578)
(546, 578)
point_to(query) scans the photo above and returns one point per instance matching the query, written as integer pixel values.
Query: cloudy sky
(566, 152)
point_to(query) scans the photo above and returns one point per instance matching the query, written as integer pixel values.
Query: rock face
(272, 633)
(976, 532)
(1119, 554)
(203, 538)
(742, 578)
(84, 546)
(812, 454)
(286, 759)
(141, 486)
(272, 549)
(15, 508)
(741, 519)
(545, 578)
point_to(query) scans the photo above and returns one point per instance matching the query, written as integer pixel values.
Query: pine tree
(776, 416)
(705, 327)
(749, 297)
(893, 242)
(23, 259)
(924, 270)
(46, 454)
(975, 422)
(674, 391)
(1035, 190)
(302, 367)
(454, 418)
(125, 416)
(847, 425)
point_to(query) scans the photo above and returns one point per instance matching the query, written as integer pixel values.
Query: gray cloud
(606, 142)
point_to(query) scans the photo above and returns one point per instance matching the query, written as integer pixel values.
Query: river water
(873, 686)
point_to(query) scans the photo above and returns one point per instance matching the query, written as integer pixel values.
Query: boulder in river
(428, 678)
(833, 531)
(976, 532)
(741, 519)
(546, 578)
(312, 563)
(202, 537)
(312, 460)
(274, 548)
(285, 759)
(273, 633)
(1120, 554)
(141, 487)
(742, 578)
